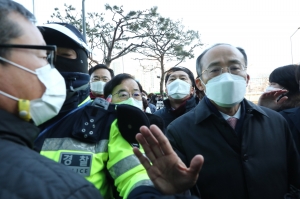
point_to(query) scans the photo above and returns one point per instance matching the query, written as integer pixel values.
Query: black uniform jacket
(26, 174)
(292, 116)
(258, 160)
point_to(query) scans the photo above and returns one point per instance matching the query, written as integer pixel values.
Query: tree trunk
(107, 63)
(162, 77)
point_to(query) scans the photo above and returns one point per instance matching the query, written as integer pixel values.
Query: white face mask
(49, 105)
(148, 110)
(271, 88)
(97, 87)
(133, 102)
(178, 89)
(226, 90)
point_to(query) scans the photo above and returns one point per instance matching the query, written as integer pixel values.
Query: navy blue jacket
(292, 116)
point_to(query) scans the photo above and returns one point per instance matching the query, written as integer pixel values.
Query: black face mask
(80, 64)
(78, 89)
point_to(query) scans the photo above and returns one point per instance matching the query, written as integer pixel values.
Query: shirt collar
(237, 115)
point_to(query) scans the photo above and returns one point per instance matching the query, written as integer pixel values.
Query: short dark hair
(117, 80)
(180, 68)
(286, 76)
(9, 29)
(198, 61)
(101, 66)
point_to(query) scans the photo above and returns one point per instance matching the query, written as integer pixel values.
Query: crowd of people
(70, 131)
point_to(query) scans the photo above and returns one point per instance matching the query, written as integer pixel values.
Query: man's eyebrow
(217, 63)
(121, 90)
(176, 75)
(235, 61)
(183, 75)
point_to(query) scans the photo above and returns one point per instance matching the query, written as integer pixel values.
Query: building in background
(256, 87)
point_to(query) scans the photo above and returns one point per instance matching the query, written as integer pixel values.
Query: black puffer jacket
(26, 174)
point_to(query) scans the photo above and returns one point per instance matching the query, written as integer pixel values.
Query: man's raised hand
(167, 172)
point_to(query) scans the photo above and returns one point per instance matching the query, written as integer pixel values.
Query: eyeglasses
(51, 50)
(124, 95)
(214, 71)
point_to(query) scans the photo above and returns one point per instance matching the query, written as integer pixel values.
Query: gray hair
(9, 29)
(198, 61)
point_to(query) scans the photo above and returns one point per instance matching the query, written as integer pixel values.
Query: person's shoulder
(150, 104)
(291, 115)
(187, 118)
(272, 116)
(159, 112)
(291, 110)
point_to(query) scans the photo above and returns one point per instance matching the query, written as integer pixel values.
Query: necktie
(232, 122)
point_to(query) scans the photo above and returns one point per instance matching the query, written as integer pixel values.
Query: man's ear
(199, 84)
(247, 79)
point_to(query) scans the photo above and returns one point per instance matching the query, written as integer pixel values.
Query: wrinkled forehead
(128, 85)
(178, 74)
(222, 54)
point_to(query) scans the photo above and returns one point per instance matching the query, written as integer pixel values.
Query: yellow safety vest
(92, 161)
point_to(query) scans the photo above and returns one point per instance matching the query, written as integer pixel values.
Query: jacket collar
(16, 129)
(189, 103)
(203, 110)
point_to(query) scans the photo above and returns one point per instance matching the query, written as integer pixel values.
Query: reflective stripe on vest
(122, 164)
(55, 144)
(87, 100)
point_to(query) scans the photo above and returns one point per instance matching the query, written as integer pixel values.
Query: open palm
(168, 173)
(269, 99)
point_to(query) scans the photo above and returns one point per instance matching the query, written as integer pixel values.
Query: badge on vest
(78, 162)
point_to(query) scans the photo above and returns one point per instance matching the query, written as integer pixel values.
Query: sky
(266, 29)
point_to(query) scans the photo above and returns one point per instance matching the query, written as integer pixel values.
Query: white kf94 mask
(226, 90)
(178, 89)
(133, 102)
(97, 87)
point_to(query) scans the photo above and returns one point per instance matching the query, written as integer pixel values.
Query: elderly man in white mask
(249, 151)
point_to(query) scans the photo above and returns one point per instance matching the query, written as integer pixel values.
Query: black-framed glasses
(51, 49)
